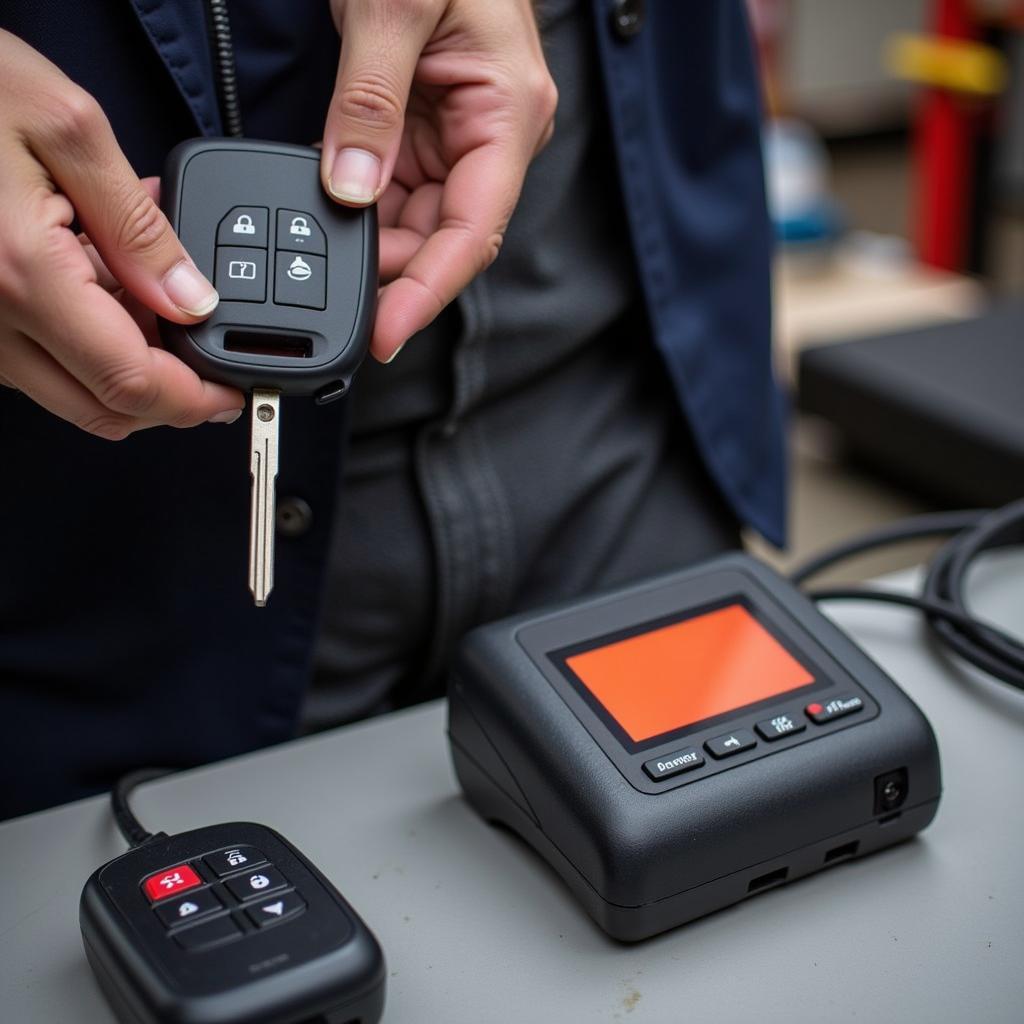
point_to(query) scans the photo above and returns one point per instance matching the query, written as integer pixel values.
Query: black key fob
(296, 272)
(224, 925)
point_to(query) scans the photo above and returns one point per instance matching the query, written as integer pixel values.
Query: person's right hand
(77, 325)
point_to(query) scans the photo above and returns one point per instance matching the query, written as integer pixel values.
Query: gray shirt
(524, 447)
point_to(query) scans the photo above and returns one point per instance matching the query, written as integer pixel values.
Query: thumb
(119, 214)
(380, 47)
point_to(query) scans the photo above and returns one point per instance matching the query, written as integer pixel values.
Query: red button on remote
(170, 881)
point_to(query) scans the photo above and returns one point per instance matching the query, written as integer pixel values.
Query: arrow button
(276, 908)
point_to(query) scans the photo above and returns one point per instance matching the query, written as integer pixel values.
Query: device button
(288, 904)
(300, 280)
(837, 707)
(185, 908)
(676, 763)
(213, 933)
(730, 743)
(244, 225)
(234, 858)
(170, 881)
(299, 232)
(258, 883)
(241, 274)
(781, 725)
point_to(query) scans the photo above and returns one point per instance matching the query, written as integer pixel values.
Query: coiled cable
(943, 599)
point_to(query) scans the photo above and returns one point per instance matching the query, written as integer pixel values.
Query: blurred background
(895, 165)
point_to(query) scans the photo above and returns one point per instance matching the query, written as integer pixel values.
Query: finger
(412, 225)
(397, 248)
(143, 316)
(104, 278)
(37, 374)
(92, 336)
(53, 297)
(381, 44)
(479, 196)
(74, 141)
(95, 338)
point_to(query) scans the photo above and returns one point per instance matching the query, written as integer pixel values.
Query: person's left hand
(438, 109)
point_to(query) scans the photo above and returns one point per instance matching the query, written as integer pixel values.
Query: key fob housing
(224, 925)
(296, 272)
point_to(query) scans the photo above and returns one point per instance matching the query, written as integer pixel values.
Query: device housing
(531, 752)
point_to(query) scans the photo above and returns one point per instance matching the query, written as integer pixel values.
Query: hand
(439, 107)
(77, 325)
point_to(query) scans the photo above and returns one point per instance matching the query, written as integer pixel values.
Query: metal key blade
(266, 414)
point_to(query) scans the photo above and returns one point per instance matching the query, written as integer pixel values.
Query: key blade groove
(263, 470)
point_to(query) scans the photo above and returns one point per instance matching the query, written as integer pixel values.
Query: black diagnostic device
(295, 271)
(228, 924)
(678, 745)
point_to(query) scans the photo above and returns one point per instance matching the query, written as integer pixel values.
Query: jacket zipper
(222, 51)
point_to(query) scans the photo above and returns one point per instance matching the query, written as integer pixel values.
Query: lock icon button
(244, 226)
(300, 226)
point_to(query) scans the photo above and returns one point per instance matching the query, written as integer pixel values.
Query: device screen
(669, 677)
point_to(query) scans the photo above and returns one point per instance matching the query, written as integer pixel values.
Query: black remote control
(228, 924)
(296, 272)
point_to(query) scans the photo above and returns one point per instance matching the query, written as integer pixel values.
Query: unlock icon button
(244, 225)
(298, 231)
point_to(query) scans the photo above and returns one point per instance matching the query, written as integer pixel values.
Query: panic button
(170, 881)
(835, 708)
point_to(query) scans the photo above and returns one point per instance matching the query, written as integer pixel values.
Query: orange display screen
(675, 675)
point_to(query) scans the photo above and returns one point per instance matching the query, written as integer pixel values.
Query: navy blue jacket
(127, 635)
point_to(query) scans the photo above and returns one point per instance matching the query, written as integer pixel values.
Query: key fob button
(288, 904)
(244, 225)
(187, 908)
(170, 881)
(256, 883)
(298, 231)
(203, 936)
(234, 859)
(300, 280)
(241, 274)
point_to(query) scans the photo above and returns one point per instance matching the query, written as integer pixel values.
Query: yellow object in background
(955, 64)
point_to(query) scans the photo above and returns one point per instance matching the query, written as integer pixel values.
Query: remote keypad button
(288, 904)
(300, 280)
(781, 725)
(730, 743)
(233, 860)
(244, 225)
(679, 761)
(299, 232)
(256, 883)
(241, 274)
(170, 882)
(186, 908)
(837, 707)
(203, 936)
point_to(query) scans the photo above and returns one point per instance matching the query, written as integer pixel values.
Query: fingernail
(228, 416)
(391, 358)
(189, 290)
(355, 176)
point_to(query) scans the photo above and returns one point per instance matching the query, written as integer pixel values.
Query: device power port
(891, 791)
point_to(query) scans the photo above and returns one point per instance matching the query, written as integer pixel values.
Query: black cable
(130, 826)
(223, 52)
(943, 599)
(932, 524)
